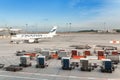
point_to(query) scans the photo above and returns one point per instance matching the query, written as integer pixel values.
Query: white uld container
(63, 54)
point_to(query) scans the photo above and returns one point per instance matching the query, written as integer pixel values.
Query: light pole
(105, 26)
(26, 27)
(70, 27)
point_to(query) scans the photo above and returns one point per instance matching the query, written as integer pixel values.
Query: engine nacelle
(31, 40)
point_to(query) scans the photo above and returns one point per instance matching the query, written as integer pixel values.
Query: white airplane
(32, 38)
(2, 29)
(15, 30)
(5, 29)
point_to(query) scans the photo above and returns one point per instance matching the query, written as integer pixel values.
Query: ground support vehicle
(113, 58)
(25, 61)
(41, 62)
(85, 65)
(13, 68)
(47, 54)
(107, 66)
(2, 65)
(66, 63)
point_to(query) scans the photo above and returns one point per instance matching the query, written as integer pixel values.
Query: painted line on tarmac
(59, 76)
(8, 76)
(75, 77)
(62, 76)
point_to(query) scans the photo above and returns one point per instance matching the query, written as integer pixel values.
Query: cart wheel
(36, 66)
(46, 65)
(30, 64)
(20, 65)
(92, 68)
(59, 58)
(14, 70)
(102, 70)
(81, 69)
(70, 68)
(43, 67)
(113, 69)
(49, 58)
(95, 66)
(77, 65)
(63, 68)
(25, 65)
(116, 62)
(73, 67)
(21, 69)
(110, 71)
(89, 70)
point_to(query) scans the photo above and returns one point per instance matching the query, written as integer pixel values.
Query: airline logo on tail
(53, 31)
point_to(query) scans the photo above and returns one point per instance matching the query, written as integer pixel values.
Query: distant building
(112, 31)
(108, 31)
(102, 31)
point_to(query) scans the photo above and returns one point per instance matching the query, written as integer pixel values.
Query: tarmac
(54, 71)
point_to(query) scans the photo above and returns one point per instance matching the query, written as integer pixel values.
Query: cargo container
(100, 52)
(41, 62)
(85, 65)
(87, 53)
(25, 61)
(54, 54)
(63, 54)
(46, 53)
(38, 50)
(74, 53)
(113, 58)
(79, 55)
(114, 52)
(111, 52)
(66, 63)
(107, 66)
(20, 53)
(103, 47)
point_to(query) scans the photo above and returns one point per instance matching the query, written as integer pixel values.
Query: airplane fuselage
(31, 36)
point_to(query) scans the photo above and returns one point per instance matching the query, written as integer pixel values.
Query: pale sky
(43, 14)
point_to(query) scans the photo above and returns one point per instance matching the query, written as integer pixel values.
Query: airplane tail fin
(53, 31)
